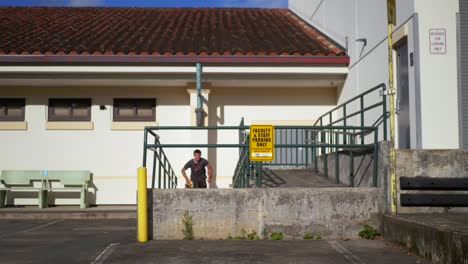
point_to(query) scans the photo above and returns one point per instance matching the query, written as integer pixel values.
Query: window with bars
(134, 109)
(69, 109)
(12, 109)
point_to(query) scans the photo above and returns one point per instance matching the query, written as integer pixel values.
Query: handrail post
(153, 174)
(344, 123)
(165, 172)
(362, 119)
(376, 156)
(297, 150)
(159, 168)
(351, 161)
(324, 156)
(306, 132)
(337, 161)
(145, 146)
(330, 117)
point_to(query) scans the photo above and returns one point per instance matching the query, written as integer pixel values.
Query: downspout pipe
(199, 110)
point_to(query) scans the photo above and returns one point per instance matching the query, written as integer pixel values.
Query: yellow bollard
(142, 206)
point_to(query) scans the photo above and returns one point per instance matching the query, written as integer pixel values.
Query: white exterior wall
(113, 156)
(439, 78)
(356, 19)
(229, 105)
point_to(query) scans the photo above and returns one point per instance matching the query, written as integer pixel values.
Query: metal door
(403, 109)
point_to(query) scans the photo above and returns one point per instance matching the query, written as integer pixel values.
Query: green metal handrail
(167, 178)
(318, 137)
(243, 169)
(361, 112)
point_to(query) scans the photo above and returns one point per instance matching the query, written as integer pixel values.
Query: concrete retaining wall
(409, 163)
(430, 163)
(439, 241)
(332, 212)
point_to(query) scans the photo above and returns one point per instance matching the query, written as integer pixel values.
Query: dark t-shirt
(197, 169)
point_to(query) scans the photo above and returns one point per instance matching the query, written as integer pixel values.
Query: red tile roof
(160, 31)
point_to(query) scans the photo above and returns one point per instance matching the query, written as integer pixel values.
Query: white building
(427, 72)
(79, 84)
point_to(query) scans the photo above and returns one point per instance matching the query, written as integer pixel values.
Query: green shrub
(276, 236)
(368, 232)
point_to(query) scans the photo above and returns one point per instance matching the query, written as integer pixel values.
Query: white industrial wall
(113, 156)
(439, 75)
(434, 75)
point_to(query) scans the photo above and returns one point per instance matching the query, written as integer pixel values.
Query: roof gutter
(155, 59)
(264, 69)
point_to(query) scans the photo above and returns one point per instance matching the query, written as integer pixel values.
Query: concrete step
(69, 212)
(292, 178)
(440, 238)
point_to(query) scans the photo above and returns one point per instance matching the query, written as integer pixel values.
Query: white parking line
(106, 253)
(346, 253)
(33, 228)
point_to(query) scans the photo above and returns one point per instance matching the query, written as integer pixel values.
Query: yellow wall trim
(69, 125)
(131, 125)
(13, 125)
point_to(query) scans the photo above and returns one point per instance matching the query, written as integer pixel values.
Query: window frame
(51, 117)
(17, 101)
(118, 118)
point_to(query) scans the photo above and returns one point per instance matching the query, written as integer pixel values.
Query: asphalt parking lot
(114, 241)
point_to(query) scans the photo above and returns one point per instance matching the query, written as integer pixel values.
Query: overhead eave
(171, 59)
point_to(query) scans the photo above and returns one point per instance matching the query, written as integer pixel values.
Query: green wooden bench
(16, 180)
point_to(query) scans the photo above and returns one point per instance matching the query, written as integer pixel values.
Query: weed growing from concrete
(264, 234)
(244, 235)
(276, 236)
(311, 236)
(368, 232)
(187, 221)
(253, 235)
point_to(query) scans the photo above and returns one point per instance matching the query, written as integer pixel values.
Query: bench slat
(428, 183)
(434, 199)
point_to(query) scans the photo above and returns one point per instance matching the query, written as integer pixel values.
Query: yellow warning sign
(261, 142)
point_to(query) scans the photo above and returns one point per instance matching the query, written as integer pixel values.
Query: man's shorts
(199, 182)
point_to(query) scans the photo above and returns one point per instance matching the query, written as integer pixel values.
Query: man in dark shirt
(198, 173)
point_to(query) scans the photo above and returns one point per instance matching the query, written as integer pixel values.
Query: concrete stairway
(292, 178)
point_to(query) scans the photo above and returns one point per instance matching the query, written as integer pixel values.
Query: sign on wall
(261, 142)
(438, 41)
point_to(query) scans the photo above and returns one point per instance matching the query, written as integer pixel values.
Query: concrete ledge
(440, 238)
(332, 212)
(13, 125)
(57, 125)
